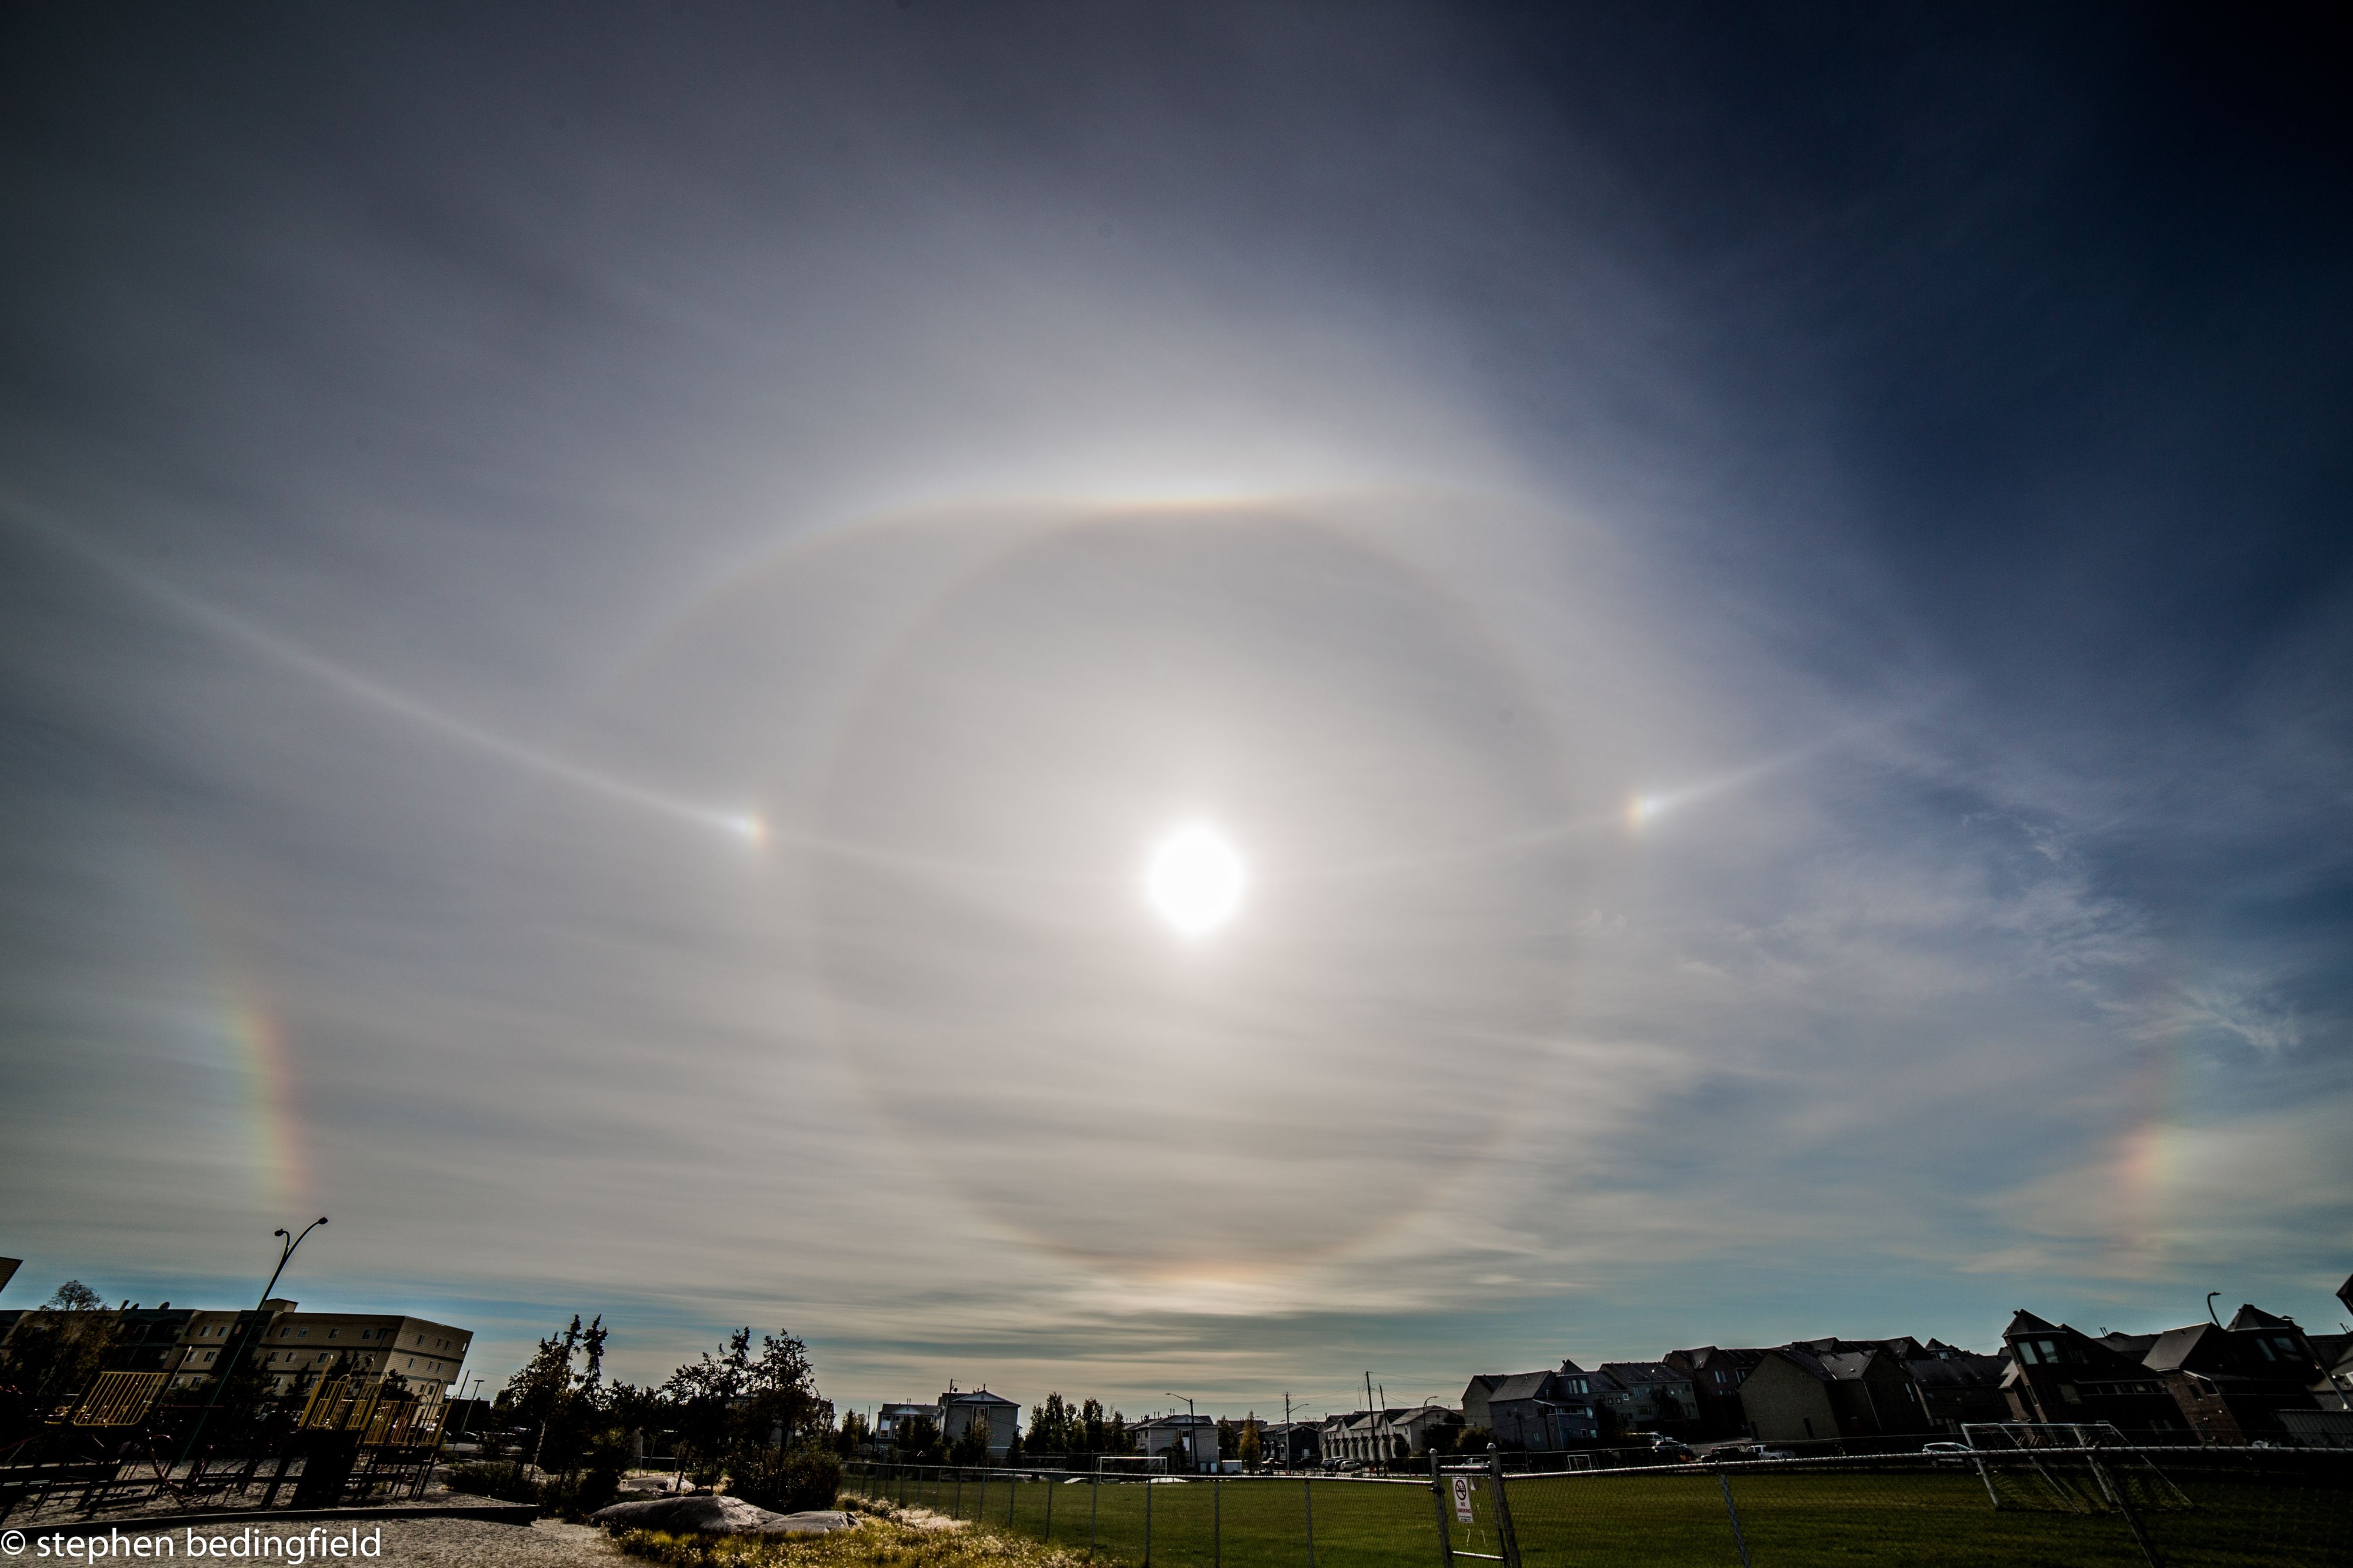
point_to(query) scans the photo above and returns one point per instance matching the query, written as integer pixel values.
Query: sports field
(1647, 1520)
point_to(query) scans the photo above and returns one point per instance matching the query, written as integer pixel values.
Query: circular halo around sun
(1194, 879)
(981, 727)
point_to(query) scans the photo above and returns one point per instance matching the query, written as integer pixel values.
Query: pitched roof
(1523, 1385)
(1845, 1366)
(2249, 1316)
(1803, 1359)
(978, 1396)
(2175, 1347)
(1958, 1370)
(2026, 1322)
(1642, 1373)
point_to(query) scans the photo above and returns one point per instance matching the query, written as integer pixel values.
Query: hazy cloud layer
(600, 614)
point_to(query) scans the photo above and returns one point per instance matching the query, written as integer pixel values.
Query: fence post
(1739, 1541)
(1308, 1485)
(1506, 1536)
(1051, 1488)
(1217, 1525)
(1438, 1496)
(1094, 1504)
(1147, 1521)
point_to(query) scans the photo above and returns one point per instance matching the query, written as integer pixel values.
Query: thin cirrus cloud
(644, 643)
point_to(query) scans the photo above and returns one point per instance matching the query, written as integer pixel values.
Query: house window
(333, 1332)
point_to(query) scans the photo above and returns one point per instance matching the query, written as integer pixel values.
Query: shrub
(581, 1493)
(508, 1483)
(804, 1478)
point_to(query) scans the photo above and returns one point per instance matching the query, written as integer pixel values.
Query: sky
(603, 608)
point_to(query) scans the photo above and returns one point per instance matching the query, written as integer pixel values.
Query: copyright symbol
(13, 1543)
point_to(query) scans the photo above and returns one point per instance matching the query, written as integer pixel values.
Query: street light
(467, 1425)
(285, 1254)
(1191, 1453)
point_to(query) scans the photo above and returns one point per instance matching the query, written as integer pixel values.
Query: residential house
(2059, 1374)
(1291, 1445)
(958, 1412)
(1956, 1387)
(1422, 1427)
(2334, 1389)
(1651, 1396)
(1187, 1441)
(1786, 1398)
(1815, 1390)
(1541, 1410)
(1474, 1398)
(890, 1421)
(1716, 1374)
(1871, 1386)
(2232, 1383)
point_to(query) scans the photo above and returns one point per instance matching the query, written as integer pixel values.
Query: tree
(534, 1393)
(1051, 1427)
(1247, 1446)
(53, 1355)
(702, 1392)
(916, 1440)
(1094, 1429)
(971, 1445)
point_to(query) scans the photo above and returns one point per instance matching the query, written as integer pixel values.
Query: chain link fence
(2130, 1508)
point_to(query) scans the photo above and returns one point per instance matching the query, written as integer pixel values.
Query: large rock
(716, 1514)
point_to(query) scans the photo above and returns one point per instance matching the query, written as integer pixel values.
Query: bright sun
(1194, 879)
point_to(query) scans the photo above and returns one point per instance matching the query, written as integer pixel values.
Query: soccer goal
(2075, 1466)
(1129, 1466)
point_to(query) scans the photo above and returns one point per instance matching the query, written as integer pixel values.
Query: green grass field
(1933, 1518)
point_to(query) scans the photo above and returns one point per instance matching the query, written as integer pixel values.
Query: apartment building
(295, 1348)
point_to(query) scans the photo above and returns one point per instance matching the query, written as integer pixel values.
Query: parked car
(1947, 1453)
(1671, 1448)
